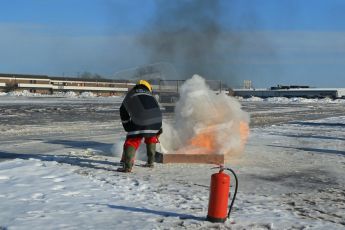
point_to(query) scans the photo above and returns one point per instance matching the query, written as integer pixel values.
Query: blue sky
(267, 41)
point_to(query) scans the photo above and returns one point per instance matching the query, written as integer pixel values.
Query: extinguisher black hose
(234, 197)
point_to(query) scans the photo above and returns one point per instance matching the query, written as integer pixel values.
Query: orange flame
(206, 141)
(244, 132)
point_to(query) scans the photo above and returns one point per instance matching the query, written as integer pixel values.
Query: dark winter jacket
(140, 113)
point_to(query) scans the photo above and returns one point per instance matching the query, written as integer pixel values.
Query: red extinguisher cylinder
(219, 197)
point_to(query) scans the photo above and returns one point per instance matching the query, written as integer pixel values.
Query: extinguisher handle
(221, 167)
(233, 199)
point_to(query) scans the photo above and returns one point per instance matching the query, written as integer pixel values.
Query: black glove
(160, 132)
(127, 125)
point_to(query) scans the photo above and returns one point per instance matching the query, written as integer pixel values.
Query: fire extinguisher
(219, 196)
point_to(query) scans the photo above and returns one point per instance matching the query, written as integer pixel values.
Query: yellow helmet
(145, 83)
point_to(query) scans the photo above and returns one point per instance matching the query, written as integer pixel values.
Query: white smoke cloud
(201, 110)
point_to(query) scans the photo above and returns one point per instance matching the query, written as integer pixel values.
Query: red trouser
(136, 141)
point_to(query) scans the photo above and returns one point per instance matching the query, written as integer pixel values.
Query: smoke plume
(186, 33)
(214, 123)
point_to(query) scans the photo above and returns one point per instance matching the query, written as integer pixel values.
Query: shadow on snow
(313, 136)
(104, 148)
(155, 212)
(313, 150)
(65, 159)
(318, 124)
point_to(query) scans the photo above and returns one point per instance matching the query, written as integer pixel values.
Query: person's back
(141, 118)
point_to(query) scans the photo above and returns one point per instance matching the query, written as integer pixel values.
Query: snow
(62, 174)
(24, 93)
(291, 100)
(71, 94)
(87, 94)
(62, 99)
(68, 94)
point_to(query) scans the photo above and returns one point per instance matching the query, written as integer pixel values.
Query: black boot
(151, 152)
(129, 155)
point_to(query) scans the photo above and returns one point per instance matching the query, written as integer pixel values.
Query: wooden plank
(189, 158)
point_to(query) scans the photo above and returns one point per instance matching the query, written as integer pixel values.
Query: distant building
(292, 91)
(247, 84)
(48, 85)
(289, 87)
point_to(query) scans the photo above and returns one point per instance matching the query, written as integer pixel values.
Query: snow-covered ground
(26, 93)
(292, 100)
(59, 172)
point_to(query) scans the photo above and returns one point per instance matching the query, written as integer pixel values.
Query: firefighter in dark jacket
(141, 118)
